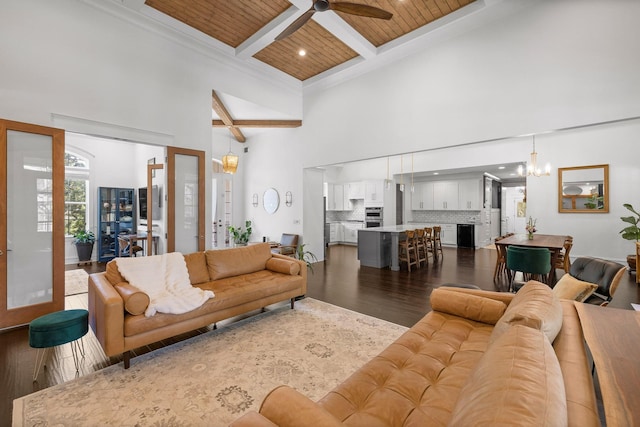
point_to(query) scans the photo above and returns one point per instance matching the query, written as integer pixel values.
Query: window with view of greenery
(76, 193)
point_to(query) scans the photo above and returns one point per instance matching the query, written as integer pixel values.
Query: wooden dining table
(553, 242)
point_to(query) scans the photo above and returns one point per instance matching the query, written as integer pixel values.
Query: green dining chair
(531, 262)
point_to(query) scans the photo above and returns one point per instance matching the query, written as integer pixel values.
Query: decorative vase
(530, 236)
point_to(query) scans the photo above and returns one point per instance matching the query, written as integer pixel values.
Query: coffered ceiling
(331, 40)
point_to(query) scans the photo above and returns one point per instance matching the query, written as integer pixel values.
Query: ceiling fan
(324, 5)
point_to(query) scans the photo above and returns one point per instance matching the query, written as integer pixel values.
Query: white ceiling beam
(337, 26)
(265, 36)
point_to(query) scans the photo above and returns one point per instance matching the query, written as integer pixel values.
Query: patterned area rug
(75, 282)
(214, 378)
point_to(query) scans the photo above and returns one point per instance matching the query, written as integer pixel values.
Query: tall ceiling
(331, 40)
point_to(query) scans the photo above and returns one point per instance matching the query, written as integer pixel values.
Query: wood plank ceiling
(234, 22)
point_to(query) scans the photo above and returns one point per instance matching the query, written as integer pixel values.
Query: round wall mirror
(271, 200)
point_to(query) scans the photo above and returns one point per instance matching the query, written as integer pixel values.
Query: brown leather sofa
(479, 358)
(242, 279)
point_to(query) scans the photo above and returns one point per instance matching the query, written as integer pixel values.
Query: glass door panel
(31, 222)
(185, 182)
(186, 210)
(29, 219)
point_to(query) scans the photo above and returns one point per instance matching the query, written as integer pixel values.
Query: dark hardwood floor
(399, 297)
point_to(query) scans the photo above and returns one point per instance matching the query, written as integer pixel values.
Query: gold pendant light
(532, 166)
(230, 162)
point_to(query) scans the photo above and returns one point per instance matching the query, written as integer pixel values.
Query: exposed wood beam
(224, 115)
(259, 123)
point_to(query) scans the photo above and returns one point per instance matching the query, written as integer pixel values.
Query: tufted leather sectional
(479, 358)
(242, 279)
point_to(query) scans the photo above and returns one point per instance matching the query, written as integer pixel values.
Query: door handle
(1, 253)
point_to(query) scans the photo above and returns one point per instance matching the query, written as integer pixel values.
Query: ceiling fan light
(230, 163)
(321, 5)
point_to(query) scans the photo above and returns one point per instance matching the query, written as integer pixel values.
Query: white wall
(115, 73)
(553, 65)
(556, 64)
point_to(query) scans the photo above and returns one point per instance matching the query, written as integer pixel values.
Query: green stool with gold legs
(58, 328)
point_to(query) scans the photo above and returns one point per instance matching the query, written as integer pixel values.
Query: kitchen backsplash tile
(451, 217)
(356, 214)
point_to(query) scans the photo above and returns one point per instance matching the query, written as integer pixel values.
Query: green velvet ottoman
(58, 328)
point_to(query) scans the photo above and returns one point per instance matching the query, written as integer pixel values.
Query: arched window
(76, 193)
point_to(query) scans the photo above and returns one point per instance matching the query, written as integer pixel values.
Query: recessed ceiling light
(501, 167)
(302, 52)
(436, 173)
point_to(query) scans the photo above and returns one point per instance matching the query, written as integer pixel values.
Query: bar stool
(421, 248)
(407, 250)
(428, 240)
(437, 243)
(58, 328)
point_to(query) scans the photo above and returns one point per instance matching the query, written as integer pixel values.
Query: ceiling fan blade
(296, 25)
(361, 10)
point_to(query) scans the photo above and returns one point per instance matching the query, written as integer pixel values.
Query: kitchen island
(378, 246)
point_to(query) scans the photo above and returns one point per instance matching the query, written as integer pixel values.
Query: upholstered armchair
(605, 274)
(288, 245)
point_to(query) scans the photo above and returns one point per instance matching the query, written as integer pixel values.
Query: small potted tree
(631, 232)
(84, 240)
(240, 236)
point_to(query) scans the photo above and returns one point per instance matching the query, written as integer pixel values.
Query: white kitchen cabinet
(350, 230)
(374, 193)
(336, 232)
(347, 203)
(356, 190)
(337, 200)
(422, 196)
(469, 194)
(449, 234)
(445, 195)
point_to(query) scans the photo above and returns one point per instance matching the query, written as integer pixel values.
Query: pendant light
(230, 162)
(387, 182)
(412, 188)
(401, 175)
(532, 166)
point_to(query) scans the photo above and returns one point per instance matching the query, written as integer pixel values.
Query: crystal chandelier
(532, 166)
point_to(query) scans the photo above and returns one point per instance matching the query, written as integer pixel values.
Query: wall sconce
(254, 200)
(288, 198)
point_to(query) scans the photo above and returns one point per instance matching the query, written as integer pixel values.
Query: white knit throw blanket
(165, 279)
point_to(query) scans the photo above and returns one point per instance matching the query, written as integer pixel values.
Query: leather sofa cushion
(568, 287)
(197, 267)
(485, 310)
(283, 266)
(230, 292)
(135, 301)
(534, 306)
(237, 261)
(287, 407)
(113, 274)
(416, 380)
(517, 381)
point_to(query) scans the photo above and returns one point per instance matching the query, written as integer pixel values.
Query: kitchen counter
(381, 238)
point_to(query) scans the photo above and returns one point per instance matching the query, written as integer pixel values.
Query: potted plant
(631, 232)
(240, 236)
(307, 256)
(84, 240)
